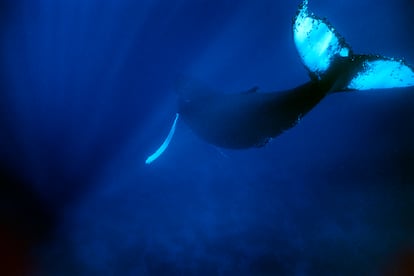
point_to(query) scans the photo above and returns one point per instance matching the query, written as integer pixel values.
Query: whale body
(252, 118)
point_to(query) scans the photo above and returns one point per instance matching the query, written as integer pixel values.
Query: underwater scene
(206, 137)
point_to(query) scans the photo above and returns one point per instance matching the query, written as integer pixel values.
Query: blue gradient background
(87, 94)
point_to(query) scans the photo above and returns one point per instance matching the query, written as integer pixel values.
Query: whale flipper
(164, 145)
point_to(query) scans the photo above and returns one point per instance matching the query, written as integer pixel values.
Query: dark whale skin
(248, 119)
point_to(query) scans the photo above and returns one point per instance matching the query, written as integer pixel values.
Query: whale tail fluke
(328, 57)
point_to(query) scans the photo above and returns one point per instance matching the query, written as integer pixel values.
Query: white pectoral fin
(378, 72)
(164, 145)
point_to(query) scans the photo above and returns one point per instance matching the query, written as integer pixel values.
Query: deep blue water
(87, 93)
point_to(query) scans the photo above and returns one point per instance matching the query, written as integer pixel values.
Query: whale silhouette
(253, 118)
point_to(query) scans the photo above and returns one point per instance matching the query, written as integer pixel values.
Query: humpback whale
(253, 118)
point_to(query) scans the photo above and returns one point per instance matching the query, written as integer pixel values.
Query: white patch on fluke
(317, 41)
(164, 145)
(383, 73)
